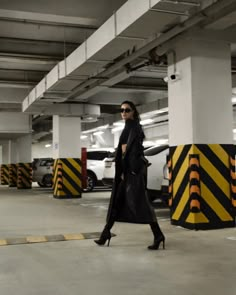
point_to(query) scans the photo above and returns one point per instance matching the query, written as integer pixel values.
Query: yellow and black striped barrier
(194, 183)
(4, 174)
(12, 175)
(170, 188)
(67, 178)
(202, 186)
(24, 175)
(49, 238)
(233, 181)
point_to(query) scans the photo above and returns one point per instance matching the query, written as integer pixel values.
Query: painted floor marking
(49, 238)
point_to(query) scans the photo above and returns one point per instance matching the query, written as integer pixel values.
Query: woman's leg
(158, 236)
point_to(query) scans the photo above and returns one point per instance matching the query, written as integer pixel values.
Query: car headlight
(166, 172)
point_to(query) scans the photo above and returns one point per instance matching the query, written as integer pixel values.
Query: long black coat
(129, 201)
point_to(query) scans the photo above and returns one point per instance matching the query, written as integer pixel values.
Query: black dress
(129, 201)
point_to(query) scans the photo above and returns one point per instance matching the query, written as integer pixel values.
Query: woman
(129, 201)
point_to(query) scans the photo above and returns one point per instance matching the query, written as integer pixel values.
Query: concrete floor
(194, 262)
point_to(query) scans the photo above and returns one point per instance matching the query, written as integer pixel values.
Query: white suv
(157, 184)
(95, 166)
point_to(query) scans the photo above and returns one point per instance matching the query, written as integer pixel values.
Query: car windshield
(98, 155)
(155, 150)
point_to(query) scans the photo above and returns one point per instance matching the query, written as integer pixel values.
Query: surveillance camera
(174, 77)
(166, 79)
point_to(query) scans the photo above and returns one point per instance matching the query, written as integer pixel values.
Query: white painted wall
(15, 123)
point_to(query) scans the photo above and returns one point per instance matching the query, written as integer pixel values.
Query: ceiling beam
(10, 107)
(20, 71)
(28, 58)
(38, 42)
(16, 84)
(48, 19)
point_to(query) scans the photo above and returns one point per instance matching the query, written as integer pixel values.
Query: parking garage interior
(65, 68)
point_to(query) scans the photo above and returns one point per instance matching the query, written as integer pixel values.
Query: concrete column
(66, 152)
(5, 163)
(200, 99)
(66, 137)
(13, 151)
(24, 159)
(200, 134)
(24, 146)
(5, 152)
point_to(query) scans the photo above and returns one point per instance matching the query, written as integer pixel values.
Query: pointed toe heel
(102, 242)
(105, 236)
(156, 244)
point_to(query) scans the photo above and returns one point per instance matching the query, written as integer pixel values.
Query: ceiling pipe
(196, 4)
(169, 11)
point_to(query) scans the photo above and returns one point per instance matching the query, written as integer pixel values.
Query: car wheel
(91, 182)
(47, 180)
(153, 195)
(40, 184)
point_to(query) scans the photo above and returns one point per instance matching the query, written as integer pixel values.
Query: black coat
(129, 201)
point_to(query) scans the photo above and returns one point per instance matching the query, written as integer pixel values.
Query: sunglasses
(125, 110)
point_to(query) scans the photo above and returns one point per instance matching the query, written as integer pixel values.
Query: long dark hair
(136, 115)
(133, 107)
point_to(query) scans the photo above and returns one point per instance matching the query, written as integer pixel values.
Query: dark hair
(133, 107)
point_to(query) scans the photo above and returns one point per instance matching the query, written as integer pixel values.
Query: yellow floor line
(48, 238)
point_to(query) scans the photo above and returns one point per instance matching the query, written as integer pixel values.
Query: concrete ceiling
(36, 36)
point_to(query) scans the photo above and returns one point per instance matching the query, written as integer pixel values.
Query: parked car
(43, 168)
(95, 166)
(157, 178)
(42, 171)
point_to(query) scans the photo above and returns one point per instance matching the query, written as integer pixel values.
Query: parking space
(194, 261)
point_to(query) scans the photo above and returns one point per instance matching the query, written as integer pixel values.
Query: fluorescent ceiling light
(83, 136)
(48, 145)
(98, 133)
(87, 131)
(233, 99)
(103, 127)
(95, 129)
(119, 123)
(153, 113)
(234, 130)
(146, 121)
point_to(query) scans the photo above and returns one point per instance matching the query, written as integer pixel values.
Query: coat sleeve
(136, 158)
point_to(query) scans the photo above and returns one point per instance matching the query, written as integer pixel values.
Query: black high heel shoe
(105, 236)
(156, 243)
